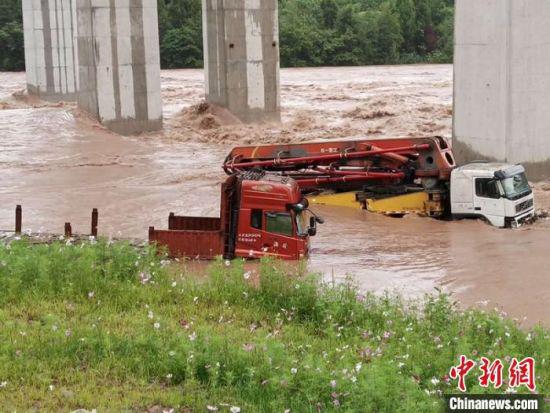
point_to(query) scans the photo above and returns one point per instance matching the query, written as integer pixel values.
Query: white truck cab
(498, 192)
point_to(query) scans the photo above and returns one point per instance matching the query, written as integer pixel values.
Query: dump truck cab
(262, 214)
(497, 192)
(273, 219)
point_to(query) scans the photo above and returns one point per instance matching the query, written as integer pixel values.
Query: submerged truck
(261, 214)
(498, 193)
(396, 176)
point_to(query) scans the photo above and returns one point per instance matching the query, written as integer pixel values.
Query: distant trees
(12, 54)
(362, 32)
(180, 31)
(312, 32)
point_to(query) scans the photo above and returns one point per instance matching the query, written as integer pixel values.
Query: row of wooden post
(68, 228)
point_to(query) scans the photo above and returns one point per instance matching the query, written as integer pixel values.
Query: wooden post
(18, 219)
(68, 230)
(95, 220)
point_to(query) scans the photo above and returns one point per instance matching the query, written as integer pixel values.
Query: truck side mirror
(312, 230)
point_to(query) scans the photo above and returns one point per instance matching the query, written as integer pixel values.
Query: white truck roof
(487, 169)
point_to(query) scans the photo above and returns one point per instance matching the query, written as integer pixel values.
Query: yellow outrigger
(421, 202)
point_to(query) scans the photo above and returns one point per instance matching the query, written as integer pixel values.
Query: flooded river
(59, 165)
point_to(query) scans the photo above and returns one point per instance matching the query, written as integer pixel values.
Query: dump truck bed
(192, 237)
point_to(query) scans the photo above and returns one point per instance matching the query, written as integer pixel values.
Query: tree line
(312, 32)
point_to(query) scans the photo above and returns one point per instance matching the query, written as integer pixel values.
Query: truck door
(488, 200)
(278, 237)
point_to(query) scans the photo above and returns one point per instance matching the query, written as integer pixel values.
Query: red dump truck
(261, 214)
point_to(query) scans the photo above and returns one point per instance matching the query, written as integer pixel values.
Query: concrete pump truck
(396, 176)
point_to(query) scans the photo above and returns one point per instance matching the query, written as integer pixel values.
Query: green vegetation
(312, 32)
(111, 327)
(12, 54)
(364, 32)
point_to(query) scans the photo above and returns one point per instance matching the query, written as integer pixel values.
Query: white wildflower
(193, 336)
(294, 370)
(156, 325)
(144, 278)
(247, 275)
(3, 384)
(235, 409)
(211, 408)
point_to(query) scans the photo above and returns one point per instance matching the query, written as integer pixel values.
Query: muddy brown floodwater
(59, 165)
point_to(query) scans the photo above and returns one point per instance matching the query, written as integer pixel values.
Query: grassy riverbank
(114, 328)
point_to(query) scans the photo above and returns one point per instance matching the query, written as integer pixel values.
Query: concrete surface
(50, 57)
(241, 47)
(502, 83)
(119, 63)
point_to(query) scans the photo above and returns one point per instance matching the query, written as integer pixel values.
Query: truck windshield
(516, 186)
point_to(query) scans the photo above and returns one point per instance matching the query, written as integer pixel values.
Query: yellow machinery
(343, 199)
(421, 202)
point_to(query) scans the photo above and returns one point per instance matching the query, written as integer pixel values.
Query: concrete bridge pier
(241, 57)
(50, 49)
(104, 54)
(502, 83)
(119, 63)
